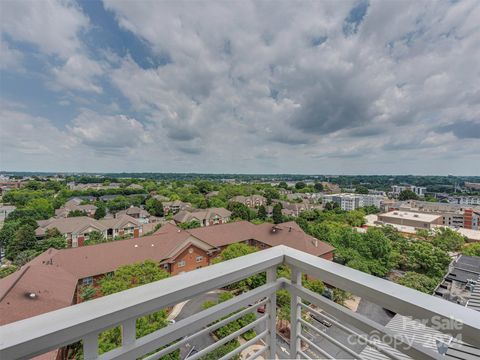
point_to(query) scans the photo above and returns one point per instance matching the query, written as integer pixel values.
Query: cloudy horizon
(323, 87)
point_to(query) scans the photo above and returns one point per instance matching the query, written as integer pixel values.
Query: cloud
(305, 86)
(51, 25)
(78, 73)
(108, 134)
(54, 27)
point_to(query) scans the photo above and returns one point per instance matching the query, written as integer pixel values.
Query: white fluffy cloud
(289, 74)
(108, 133)
(318, 87)
(54, 27)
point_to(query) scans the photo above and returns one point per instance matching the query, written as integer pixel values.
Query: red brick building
(51, 281)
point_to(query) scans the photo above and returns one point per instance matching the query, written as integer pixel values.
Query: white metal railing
(34, 336)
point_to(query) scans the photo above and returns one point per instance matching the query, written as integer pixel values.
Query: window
(181, 263)
(199, 259)
(88, 281)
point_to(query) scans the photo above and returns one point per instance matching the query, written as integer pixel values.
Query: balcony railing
(43, 333)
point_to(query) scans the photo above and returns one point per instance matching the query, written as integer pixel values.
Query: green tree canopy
(154, 207)
(262, 212)
(448, 239)
(407, 195)
(277, 213)
(471, 249)
(420, 282)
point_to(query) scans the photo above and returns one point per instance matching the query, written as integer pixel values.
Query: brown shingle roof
(54, 274)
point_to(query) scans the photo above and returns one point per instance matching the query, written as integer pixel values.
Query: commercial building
(454, 215)
(410, 219)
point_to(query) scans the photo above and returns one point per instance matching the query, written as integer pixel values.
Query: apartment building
(206, 217)
(351, 202)
(56, 275)
(418, 190)
(464, 200)
(77, 229)
(251, 201)
(175, 206)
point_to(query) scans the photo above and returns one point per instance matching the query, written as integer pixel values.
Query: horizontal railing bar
(245, 345)
(361, 322)
(207, 330)
(258, 353)
(42, 333)
(350, 331)
(316, 347)
(332, 340)
(187, 326)
(304, 356)
(390, 295)
(228, 338)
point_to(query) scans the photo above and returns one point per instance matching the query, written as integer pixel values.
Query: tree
(282, 185)
(407, 194)
(7, 270)
(95, 237)
(239, 210)
(331, 205)
(190, 225)
(101, 211)
(24, 257)
(154, 207)
(471, 249)
(300, 185)
(423, 234)
(42, 206)
(420, 282)
(126, 277)
(448, 239)
(87, 292)
(77, 213)
(234, 251)
(361, 189)
(52, 232)
(24, 239)
(341, 296)
(277, 213)
(318, 187)
(58, 242)
(262, 212)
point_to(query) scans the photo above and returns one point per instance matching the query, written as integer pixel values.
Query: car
(171, 322)
(261, 309)
(321, 321)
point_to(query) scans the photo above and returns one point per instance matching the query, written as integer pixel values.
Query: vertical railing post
(272, 313)
(129, 332)
(90, 346)
(295, 313)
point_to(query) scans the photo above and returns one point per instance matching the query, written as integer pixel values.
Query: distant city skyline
(246, 87)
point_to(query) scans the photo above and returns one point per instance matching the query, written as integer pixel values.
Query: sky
(311, 87)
